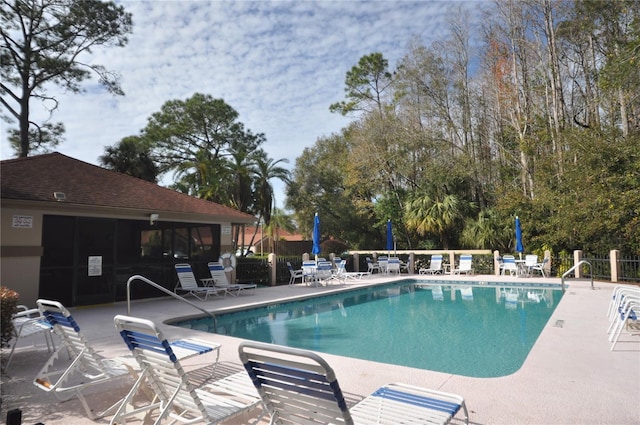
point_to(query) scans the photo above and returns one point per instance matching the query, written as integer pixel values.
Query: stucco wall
(20, 252)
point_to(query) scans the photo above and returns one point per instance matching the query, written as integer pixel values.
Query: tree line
(536, 114)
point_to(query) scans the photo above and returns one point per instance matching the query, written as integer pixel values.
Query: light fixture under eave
(153, 219)
(59, 196)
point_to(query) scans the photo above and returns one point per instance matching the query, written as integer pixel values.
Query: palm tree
(131, 156)
(265, 170)
(487, 232)
(279, 220)
(427, 214)
(242, 169)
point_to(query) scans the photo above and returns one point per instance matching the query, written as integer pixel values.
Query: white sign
(226, 230)
(95, 265)
(23, 221)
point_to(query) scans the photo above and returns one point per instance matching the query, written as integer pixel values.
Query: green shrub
(8, 307)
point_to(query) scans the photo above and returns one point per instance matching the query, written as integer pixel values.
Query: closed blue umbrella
(316, 236)
(389, 236)
(519, 246)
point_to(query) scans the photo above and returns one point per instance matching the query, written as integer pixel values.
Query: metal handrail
(575, 267)
(166, 291)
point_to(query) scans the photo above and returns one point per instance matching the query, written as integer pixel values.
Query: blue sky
(280, 64)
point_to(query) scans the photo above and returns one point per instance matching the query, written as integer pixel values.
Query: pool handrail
(166, 291)
(573, 268)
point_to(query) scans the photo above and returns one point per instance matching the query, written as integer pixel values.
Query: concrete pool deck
(569, 377)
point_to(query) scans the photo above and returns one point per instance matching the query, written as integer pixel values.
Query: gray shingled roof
(36, 178)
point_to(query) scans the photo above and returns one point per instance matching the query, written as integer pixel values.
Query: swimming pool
(477, 330)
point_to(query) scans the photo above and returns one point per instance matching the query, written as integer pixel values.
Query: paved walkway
(570, 376)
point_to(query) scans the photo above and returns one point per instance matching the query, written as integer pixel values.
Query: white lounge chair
(87, 368)
(628, 312)
(188, 285)
(342, 272)
(294, 274)
(435, 266)
(299, 387)
(27, 322)
(175, 396)
(618, 296)
(219, 280)
(623, 309)
(465, 265)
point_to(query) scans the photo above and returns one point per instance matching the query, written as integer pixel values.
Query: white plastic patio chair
(309, 268)
(372, 266)
(383, 262)
(393, 265)
(530, 260)
(509, 265)
(324, 272)
(540, 267)
(405, 266)
(175, 396)
(299, 387)
(295, 274)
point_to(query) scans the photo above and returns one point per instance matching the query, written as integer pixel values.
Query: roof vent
(60, 196)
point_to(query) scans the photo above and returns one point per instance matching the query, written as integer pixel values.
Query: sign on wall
(22, 221)
(225, 230)
(95, 265)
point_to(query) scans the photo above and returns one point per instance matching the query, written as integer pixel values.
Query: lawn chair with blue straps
(87, 367)
(176, 397)
(299, 387)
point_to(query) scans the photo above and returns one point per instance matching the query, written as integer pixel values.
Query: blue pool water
(486, 333)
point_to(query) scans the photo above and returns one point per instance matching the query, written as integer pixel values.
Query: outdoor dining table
(522, 268)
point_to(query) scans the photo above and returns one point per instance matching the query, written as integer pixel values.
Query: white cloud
(280, 64)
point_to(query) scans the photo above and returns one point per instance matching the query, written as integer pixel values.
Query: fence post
(547, 265)
(274, 269)
(452, 261)
(577, 257)
(496, 262)
(616, 267)
(412, 263)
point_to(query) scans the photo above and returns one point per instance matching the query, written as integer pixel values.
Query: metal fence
(600, 267)
(257, 269)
